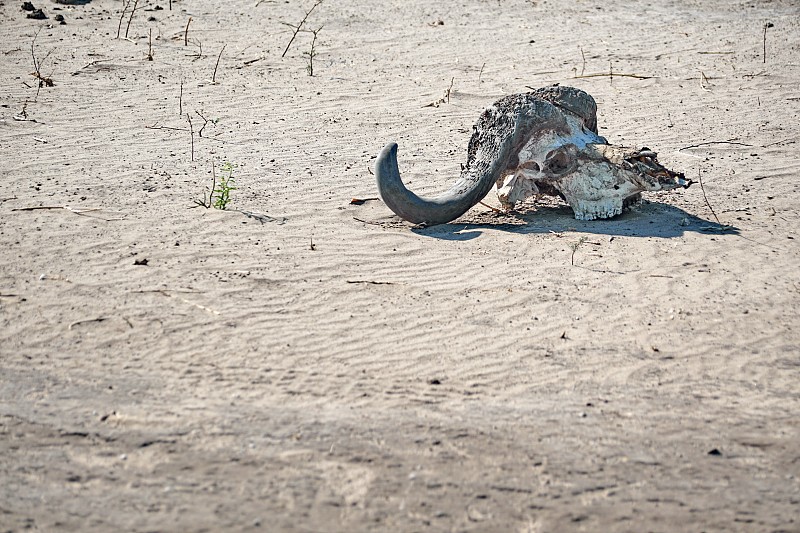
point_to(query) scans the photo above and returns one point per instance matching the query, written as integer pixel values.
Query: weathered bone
(542, 142)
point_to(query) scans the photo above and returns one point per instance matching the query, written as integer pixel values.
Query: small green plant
(223, 190)
(220, 194)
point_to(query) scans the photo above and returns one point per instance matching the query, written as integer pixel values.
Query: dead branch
(37, 66)
(449, 89)
(613, 74)
(261, 217)
(767, 25)
(130, 19)
(214, 76)
(208, 195)
(22, 115)
(157, 127)
(299, 26)
(205, 121)
(700, 180)
(76, 211)
(704, 80)
(91, 64)
(199, 54)
(496, 210)
(191, 132)
(312, 52)
(730, 141)
(88, 321)
(445, 98)
(122, 16)
(186, 33)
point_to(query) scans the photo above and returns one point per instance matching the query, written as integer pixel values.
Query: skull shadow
(648, 219)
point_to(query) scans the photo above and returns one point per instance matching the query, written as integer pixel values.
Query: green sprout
(220, 195)
(223, 190)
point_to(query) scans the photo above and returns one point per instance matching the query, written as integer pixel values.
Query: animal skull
(542, 142)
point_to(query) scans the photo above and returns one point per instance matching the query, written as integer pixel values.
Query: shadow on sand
(650, 219)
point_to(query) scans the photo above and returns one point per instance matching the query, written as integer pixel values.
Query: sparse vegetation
(299, 26)
(43, 81)
(226, 185)
(574, 247)
(219, 195)
(312, 52)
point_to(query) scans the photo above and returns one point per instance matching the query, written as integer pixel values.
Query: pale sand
(464, 377)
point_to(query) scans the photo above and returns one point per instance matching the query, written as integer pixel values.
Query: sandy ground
(173, 369)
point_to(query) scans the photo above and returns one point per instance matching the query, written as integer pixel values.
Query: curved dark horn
(502, 130)
(470, 189)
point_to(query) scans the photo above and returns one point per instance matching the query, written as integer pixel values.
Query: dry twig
(186, 33)
(130, 19)
(704, 80)
(180, 100)
(730, 141)
(722, 227)
(612, 74)
(214, 76)
(767, 25)
(122, 16)
(445, 98)
(205, 122)
(312, 52)
(80, 212)
(79, 322)
(191, 132)
(44, 81)
(496, 210)
(299, 26)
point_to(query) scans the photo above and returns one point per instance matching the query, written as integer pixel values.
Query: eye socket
(557, 161)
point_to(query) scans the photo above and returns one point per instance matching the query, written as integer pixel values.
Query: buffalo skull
(541, 142)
